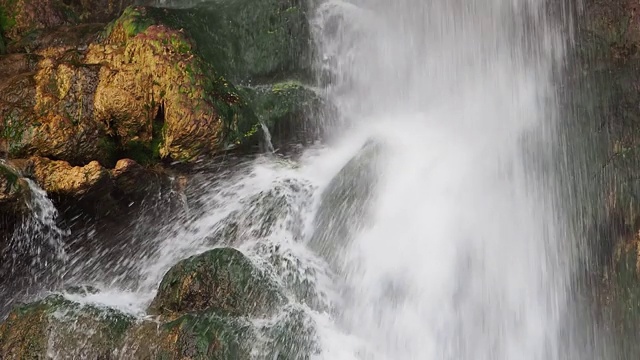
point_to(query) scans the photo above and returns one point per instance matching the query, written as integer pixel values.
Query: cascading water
(432, 228)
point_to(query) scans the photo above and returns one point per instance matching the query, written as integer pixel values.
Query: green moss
(221, 280)
(7, 17)
(10, 176)
(210, 336)
(67, 329)
(244, 39)
(132, 22)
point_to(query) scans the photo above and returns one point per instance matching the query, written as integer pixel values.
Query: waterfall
(432, 227)
(462, 254)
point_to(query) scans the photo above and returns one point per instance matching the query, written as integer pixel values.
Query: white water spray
(460, 260)
(456, 254)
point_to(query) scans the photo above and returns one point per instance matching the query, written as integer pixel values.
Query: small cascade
(38, 237)
(267, 137)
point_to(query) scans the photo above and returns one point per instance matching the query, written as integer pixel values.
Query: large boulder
(157, 84)
(346, 203)
(141, 92)
(222, 280)
(198, 336)
(245, 40)
(58, 328)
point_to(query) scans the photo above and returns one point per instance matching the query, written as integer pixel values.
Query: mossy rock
(170, 102)
(247, 40)
(202, 336)
(222, 280)
(63, 329)
(19, 18)
(292, 336)
(263, 213)
(290, 111)
(13, 189)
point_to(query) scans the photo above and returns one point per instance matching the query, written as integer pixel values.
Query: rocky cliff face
(110, 106)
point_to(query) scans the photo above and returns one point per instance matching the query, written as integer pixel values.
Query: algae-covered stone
(21, 17)
(222, 280)
(290, 111)
(58, 328)
(248, 40)
(14, 192)
(160, 97)
(201, 336)
(291, 336)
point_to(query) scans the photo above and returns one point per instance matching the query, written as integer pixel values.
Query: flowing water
(433, 226)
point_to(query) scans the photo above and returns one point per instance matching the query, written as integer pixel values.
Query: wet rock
(262, 214)
(60, 178)
(247, 40)
(346, 203)
(159, 98)
(201, 336)
(290, 111)
(222, 280)
(291, 336)
(14, 204)
(14, 194)
(58, 328)
(134, 181)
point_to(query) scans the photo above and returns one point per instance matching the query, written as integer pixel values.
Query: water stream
(432, 227)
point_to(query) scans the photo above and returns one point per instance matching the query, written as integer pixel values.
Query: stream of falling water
(430, 228)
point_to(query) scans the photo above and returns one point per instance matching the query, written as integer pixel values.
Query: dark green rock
(59, 327)
(221, 280)
(292, 336)
(248, 40)
(291, 112)
(201, 336)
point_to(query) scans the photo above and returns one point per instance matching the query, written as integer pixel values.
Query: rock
(290, 111)
(60, 178)
(20, 17)
(222, 280)
(346, 202)
(134, 181)
(146, 90)
(201, 336)
(159, 97)
(292, 336)
(247, 40)
(14, 194)
(13, 64)
(58, 328)
(264, 213)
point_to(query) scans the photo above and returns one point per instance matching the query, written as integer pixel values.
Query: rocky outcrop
(204, 306)
(58, 328)
(19, 18)
(144, 89)
(289, 110)
(221, 280)
(14, 194)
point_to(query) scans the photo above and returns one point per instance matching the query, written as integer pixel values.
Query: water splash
(38, 238)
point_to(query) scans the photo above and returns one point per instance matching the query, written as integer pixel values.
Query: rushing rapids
(431, 225)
